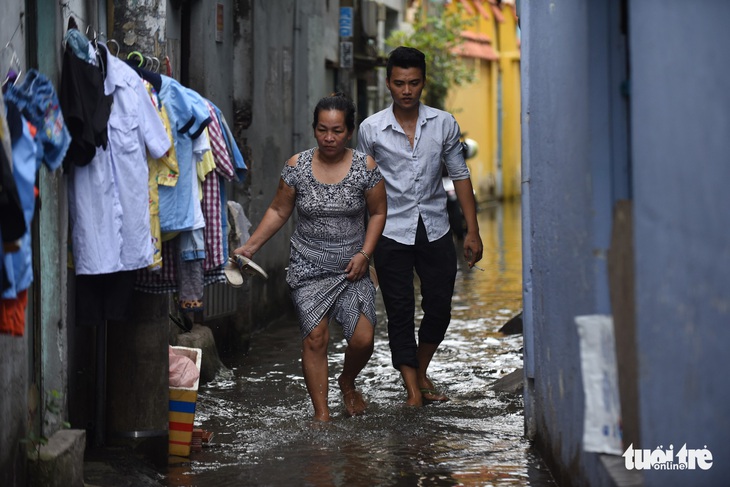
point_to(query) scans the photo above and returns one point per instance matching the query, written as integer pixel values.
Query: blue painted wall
(586, 144)
(681, 157)
(557, 126)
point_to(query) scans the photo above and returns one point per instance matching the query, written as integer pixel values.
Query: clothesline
(17, 27)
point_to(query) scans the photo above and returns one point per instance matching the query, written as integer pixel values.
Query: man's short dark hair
(406, 57)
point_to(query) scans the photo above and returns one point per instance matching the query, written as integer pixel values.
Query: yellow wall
(475, 106)
(509, 58)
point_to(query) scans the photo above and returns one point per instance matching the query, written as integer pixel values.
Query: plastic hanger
(139, 55)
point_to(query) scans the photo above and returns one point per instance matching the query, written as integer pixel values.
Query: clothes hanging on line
(86, 108)
(12, 220)
(185, 194)
(40, 138)
(109, 198)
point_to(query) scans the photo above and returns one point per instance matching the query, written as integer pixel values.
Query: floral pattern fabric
(329, 232)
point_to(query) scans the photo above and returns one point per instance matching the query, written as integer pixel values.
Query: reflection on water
(260, 418)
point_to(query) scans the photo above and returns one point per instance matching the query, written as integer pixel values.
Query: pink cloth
(183, 372)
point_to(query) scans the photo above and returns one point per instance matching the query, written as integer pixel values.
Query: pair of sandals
(239, 266)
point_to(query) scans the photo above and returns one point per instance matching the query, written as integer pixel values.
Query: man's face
(405, 86)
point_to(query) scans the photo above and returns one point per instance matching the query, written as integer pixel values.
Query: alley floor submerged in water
(260, 415)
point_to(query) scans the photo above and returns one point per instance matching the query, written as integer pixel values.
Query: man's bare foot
(414, 401)
(430, 393)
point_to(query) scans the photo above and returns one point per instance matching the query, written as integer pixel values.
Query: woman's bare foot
(321, 417)
(354, 402)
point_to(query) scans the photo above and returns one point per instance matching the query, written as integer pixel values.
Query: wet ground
(260, 414)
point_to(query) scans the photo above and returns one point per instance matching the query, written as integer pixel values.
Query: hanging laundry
(215, 160)
(86, 108)
(19, 264)
(79, 44)
(238, 160)
(36, 99)
(109, 204)
(40, 137)
(232, 169)
(12, 220)
(109, 198)
(219, 146)
(188, 114)
(162, 170)
(211, 204)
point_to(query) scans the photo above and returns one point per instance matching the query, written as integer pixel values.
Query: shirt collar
(425, 113)
(114, 75)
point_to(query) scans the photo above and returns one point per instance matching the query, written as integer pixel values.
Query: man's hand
(473, 247)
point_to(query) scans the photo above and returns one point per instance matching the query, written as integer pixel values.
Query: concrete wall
(292, 41)
(34, 365)
(681, 159)
(559, 237)
(14, 408)
(13, 350)
(566, 200)
(627, 107)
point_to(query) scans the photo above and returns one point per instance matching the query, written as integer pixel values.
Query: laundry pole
(138, 378)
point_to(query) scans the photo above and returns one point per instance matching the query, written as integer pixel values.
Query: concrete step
(60, 462)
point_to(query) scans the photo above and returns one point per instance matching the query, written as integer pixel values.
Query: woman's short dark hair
(405, 57)
(340, 102)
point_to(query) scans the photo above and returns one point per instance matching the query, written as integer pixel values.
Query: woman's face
(331, 132)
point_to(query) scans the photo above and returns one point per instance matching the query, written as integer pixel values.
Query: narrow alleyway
(260, 418)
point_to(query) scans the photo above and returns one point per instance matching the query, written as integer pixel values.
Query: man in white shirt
(411, 143)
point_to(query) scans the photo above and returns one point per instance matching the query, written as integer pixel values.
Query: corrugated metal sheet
(219, 300)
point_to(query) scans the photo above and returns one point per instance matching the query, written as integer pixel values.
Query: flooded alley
(260, 416)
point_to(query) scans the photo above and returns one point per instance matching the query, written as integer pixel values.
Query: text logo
(660, 459)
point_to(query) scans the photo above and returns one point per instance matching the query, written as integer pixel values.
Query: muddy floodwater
(260, 415)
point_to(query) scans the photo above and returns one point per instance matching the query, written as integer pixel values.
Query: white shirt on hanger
(109, 198)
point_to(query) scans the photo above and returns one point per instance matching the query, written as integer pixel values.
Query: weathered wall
(14, 408)
(291, 42)
(35, 364)
(576, 155)
(559, 234)
(13, 350)
(567, 99)
(140, 25)
(680, 126)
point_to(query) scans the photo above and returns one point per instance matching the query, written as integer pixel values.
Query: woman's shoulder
(298, 158)
(367, 161)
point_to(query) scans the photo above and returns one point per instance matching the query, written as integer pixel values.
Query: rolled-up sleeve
(453, 154)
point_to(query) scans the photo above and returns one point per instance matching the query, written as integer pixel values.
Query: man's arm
(472, 241)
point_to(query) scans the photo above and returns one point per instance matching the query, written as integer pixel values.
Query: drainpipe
(296, 134)
(527, 290)
(381, 48)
